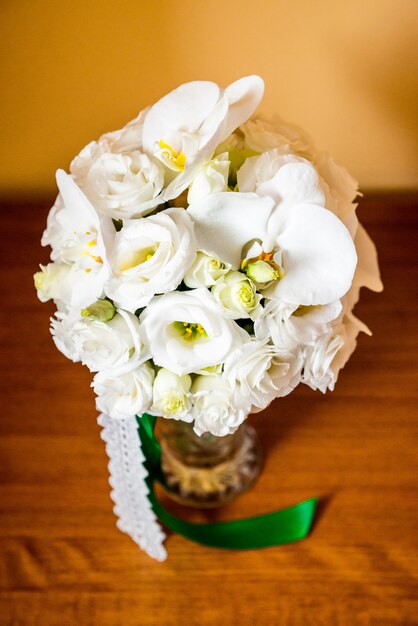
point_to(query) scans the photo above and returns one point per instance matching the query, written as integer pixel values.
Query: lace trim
(129, 490)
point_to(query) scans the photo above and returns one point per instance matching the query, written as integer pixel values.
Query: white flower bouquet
(205, 262)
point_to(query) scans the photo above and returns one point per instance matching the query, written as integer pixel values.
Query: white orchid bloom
(317, 253)
(75, 234)
(185, 126)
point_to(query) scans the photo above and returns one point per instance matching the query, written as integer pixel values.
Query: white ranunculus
(317, 251)
(212, 407)
(263, 134)
(124, 395)
(150, 256)
(75, 234)
(126, 139)
(61, 331)
(339, 187)
(185, 126)
(211, 178)
(290, 326)
(340, 190)
(327, 356)
(258, 373)
(112, 346)
(124, 185)
(238, 297)
(187, 331)
(171, 397)
(290, 180)
(205, 271)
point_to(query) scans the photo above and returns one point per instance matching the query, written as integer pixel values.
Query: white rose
(187, 331)
(258, 373)
(52, 283)
(150, 256)
(114, 345)
(124, 185)
(212, 407)
(262, 134)
(289, 325)
(238, 296)
(125, 395)
(171, 395)
(330, 352)
(339, 187)
(205, 271)
(211, 178)
(126, 139)
(61, 331)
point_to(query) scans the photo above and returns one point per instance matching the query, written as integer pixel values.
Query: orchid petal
(243, 96)
(79, 212)
(319, 256)
(288, 179)
(225, 222)
(185, 108)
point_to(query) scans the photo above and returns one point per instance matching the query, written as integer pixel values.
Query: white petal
(185, 108)
(295, 182)
(319, 256)
(243, 96)
(225, 222)
(82, 213)
(367, 273)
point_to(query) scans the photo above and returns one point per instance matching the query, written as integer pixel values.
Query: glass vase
(207, 471)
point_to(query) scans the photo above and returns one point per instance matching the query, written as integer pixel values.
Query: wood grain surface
(62, 560)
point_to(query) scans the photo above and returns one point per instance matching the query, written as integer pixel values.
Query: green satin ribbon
(261, 531)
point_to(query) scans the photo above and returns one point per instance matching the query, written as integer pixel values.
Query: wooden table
(62, 560)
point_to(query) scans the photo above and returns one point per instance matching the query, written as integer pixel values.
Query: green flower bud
(101, 311)
(261, 272)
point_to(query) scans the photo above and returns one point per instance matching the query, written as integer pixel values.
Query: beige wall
(342, 69)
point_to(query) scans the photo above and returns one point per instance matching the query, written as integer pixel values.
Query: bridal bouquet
(205, 262)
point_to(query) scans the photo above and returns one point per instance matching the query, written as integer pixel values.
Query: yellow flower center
(175, 159)
(137, 257)
(190, 331)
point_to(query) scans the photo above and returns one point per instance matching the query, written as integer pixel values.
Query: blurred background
(344, 70)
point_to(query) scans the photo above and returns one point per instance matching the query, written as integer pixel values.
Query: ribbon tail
(263, 531)
(272, 529)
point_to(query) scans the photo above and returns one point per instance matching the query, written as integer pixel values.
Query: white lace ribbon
(129, 490)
